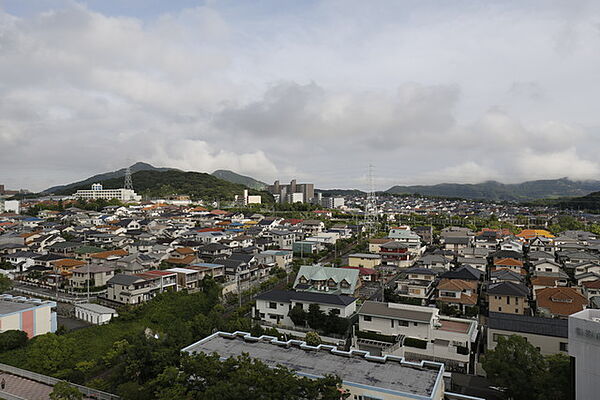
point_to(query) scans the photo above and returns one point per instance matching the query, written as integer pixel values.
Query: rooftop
(389, 374)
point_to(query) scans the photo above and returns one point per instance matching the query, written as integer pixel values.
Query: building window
(564, 346)
(335, 311)
(367, 318)
(273, 305)
(507, 299)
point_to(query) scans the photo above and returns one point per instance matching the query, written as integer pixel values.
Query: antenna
(371, 205)
(128, 180)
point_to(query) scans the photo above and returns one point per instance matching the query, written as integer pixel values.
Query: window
(367, 318)
(273, 305)
(392, 321)
(335, 311)
(495, 336)
(500, 309)
(507, 299)
(564, 346)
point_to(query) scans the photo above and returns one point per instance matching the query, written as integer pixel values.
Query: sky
(425, 91)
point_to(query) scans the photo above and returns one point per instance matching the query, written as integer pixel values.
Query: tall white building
(584, 348)
(98, 192)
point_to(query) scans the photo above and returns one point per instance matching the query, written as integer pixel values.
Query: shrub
(376, 336)
(12, 339)
(462, 350)
(414, 342)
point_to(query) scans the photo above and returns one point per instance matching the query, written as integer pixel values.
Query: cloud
(427, 93)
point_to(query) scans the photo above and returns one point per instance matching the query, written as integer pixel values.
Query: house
(506, 275)
(312, 227)
(539, 256)
(510, 264)
(591, 289)
(407, 237)
(304, 248)
(33, 316)
(94, 313)
(394, 252)
(374, 244)
(183, 256)
(542, 279)
(464, 272)
(457, 243)
(365, 274)
(547, 266)
(457, 292)
(560, 301)
(134, 289)
(283, 258)
(549, 335)
(445, 339)
(187, 278)
(66, 266)
(364, 260)
(94, 275)
(424, 232)
(273, 307)
(434, 261)
(508, 297)
(541, 244)
(283, 239)
(416, 283)
(533, 233)
(317, 278)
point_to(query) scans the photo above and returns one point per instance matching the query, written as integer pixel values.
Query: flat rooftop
(356, 368)
(454, 326)
(13, 304)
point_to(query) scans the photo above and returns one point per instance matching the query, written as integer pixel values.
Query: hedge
(376, 336)
(414, 342)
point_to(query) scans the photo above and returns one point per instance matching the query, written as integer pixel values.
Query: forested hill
(140, 166)
(591, 202)
(173, 182)
(233, 177)
(491, 190)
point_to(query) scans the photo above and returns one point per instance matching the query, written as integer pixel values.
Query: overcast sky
(426, 91)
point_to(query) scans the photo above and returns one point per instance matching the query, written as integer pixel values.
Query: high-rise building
(293, 193)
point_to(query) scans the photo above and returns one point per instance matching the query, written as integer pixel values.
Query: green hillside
(233, 177)
(491, 190)
(173, 182)
(591, 202)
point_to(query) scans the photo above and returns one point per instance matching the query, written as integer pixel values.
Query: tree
(239, 378)
(315, 316)
(298, 315)
(49, 353)
(515, 365)
(12, 339)
(312, 339)
(555, 384)
(63, 391)
(5, 283)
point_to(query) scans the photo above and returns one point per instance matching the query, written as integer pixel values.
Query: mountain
(491, 190)
(590, 202)
(340, 192)
(155, 183)
(232, 177)
(139, 166)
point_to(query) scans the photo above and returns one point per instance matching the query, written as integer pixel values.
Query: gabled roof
(465, 272)
(507, 275)
(508, 288)
(562, 301)
(509, 262)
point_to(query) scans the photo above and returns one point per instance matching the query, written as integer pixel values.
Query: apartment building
(416, 333)
(364, 377)
(584, 349)
(98, 192)
(293, 193)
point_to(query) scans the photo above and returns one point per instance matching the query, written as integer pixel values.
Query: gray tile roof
(525, 324)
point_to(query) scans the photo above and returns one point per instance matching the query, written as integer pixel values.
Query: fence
(50, 381)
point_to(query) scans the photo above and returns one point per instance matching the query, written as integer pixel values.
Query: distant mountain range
(491, 190)
(590, 202)
(139, 166)
(233, 177)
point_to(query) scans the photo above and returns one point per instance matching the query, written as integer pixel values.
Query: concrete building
(549, 335)
(33, 316)
(417, 333)
(10, 206)
(94, 313)
(584, 349)
(364, 376)
(98, 192)
(364, 260)
(246, 199)
(293, 193)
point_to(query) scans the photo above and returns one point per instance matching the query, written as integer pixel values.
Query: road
(20, 288)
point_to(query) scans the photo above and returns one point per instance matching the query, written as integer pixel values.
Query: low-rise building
(94, 313)
(508, 297)
(549, 335)
(33, 316)
(560, 301)
(273, 307)
(416, 333)
(365, 260)
(316, 278)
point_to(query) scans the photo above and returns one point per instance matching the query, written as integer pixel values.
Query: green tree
(315, 316)
(12, 339)
(313, 339)
(298, 315)
(555, 382)
(63, 391)
(515, 365)
(5, 283)
(50, 353)
(239, 378)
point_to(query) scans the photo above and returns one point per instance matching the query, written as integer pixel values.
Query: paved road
(24, 388)
(32, 290)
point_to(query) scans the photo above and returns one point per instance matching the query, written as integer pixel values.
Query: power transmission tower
(128, 180)
(371, 205)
